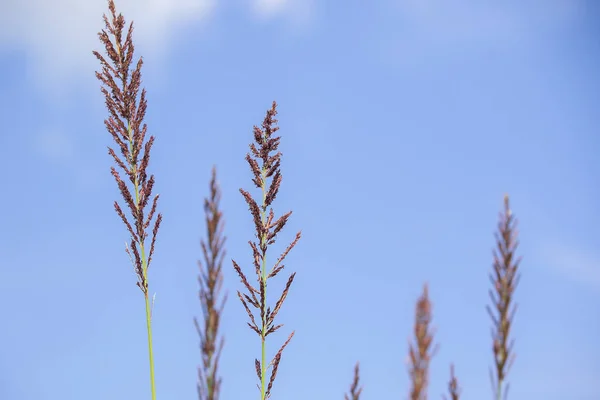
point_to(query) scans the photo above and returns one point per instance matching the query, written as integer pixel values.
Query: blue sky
(403, 124)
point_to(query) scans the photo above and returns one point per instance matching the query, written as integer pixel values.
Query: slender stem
(150, 353)
(144, 270)
(126, 106)
(264, 305)
(148, 319)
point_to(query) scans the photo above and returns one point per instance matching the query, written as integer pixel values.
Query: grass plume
(504, 279)
(126, 103)
(453, 388)
(265, 165)
(355, 390)
(421, 352)
(120, 87)
(211, 281)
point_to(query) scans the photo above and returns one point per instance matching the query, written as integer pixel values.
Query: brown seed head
(504, 279)
(421, 352)
(211, 281)
(453, 388)
(264, 165)
(355, 390)
(120, 86)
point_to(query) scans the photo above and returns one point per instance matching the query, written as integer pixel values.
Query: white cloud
(58, 36)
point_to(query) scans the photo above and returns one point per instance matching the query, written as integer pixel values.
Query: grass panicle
(265, 165)
(211, 282)
(355, 389)
(421, 352)
(504, 279)
(453, 388)
(126, 103)
(120, 87)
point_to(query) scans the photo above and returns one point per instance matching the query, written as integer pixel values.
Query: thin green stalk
(150, 353)
(120, 84)
(267, 229)
(264, 304)
(144, 268)
(148, 324)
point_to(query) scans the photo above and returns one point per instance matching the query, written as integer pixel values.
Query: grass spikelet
(120, 84)
(421, 352)
(504, 279)
(453, 388)
(265, 167)
(211, 281)
(355, 390)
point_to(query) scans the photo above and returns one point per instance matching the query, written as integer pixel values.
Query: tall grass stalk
(211, 281)
(120, 86)
(453, 388)
(355, 389)
(264, 165)
(504, 279)
(420, 352)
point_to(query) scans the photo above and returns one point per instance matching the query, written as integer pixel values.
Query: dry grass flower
(120, 81)
(421, 352)
(355, 390)
(120, 86)
(264, 165)
(211, 281)
(453, 388)
(504, 279)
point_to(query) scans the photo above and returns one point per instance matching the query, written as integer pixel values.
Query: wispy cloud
(467, 24)
(298, 12)
(270, 7)
(573, 262)
(58, 36)
(484, 20)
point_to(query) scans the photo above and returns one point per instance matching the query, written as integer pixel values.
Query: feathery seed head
(420, 353)
(120, 87)
(504, 278)
(211, 281)
(453, 388)
(355, 390)
(265, 165)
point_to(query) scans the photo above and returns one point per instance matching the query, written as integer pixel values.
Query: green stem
(145, 272)
(150, 353)
(148, 318)
(264, 305)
